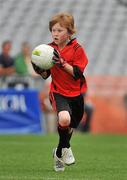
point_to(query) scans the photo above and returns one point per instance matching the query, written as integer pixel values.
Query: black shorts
(74, 105)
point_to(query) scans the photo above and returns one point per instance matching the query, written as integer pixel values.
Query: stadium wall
(109, 97)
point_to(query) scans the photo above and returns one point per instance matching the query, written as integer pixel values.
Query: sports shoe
(58, 162)
(67, 156)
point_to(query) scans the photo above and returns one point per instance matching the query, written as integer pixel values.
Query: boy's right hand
(37, 69)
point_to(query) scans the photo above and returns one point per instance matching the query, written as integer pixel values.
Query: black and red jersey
(62, 82)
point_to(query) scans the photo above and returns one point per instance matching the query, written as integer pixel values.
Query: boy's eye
(56, 30)
(59, 30)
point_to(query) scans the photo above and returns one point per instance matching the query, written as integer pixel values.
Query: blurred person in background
(24, 76)
(6, 61)
(49, 120)
(125, 101)
(23, 61)
(67, 86)
(125, 105)
(84, 125)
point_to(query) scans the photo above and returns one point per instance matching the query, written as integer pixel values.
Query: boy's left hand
(57, 59)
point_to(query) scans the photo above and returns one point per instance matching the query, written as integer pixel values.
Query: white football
(42, 56)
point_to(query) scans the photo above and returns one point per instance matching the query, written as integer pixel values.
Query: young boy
(67, 86)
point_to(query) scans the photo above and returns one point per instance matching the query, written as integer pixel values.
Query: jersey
(6, 62)
(64, 83)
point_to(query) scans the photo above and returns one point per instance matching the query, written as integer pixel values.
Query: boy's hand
(57, 59)
(37, 69)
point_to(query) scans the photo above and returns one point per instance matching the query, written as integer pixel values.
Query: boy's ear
(70, 33)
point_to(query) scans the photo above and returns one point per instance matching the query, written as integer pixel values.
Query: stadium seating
(102, 29)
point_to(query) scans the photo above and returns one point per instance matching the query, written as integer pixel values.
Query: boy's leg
(65, 132)
(63, 140)
(77, 108)
(63, 109)
(64, 150)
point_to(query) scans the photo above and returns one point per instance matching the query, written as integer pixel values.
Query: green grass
(29, 157)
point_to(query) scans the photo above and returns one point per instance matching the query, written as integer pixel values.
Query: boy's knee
(64, 118)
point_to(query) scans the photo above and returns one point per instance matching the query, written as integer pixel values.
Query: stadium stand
(102, 28)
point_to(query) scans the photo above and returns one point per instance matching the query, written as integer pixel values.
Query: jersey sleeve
(80, 58)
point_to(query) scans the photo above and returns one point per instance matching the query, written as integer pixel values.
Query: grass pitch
(29, 157)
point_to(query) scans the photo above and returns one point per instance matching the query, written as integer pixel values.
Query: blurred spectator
(6, 61)
(125, 106)
(125, 101)
(24, 70)
(84, 125)
(23, 61)
(50, 118)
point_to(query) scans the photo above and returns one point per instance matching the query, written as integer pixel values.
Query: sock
(63, 139)
(69, 136)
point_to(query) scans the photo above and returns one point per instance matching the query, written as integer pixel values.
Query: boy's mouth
(55, 38)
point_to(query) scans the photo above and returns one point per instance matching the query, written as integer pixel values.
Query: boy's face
(60, 34)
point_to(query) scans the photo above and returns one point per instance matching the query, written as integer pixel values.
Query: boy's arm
(43, 73)
(74, 71)
(6, 71)
(80, 63)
